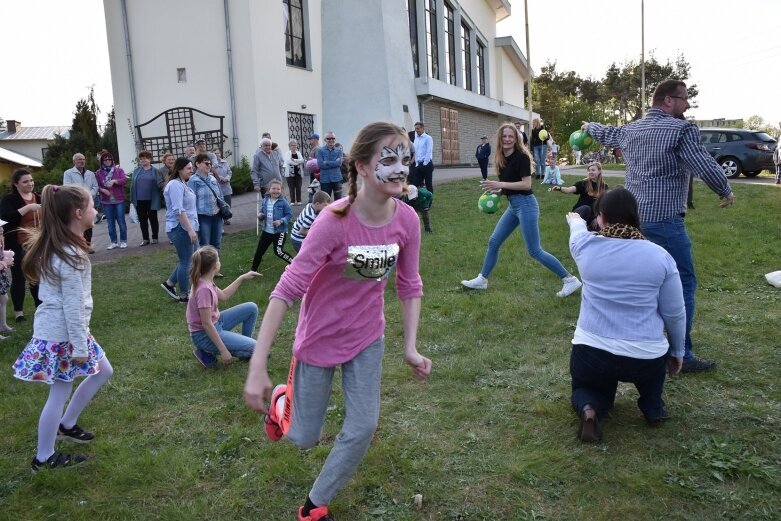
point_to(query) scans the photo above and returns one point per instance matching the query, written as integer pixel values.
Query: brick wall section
(472, 126)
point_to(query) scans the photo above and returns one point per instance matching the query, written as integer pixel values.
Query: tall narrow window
(480, 66)
(295, 44)
(412, 14)
(432, 46)
(450, 45)
(466, 58)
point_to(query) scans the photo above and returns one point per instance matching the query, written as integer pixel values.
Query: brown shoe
(589, 430)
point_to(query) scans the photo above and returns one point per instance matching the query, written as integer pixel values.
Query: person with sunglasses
(207, 190)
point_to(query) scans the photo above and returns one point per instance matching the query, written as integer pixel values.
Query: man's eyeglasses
(330, 139)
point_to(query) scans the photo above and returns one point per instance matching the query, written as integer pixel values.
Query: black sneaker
(184, 299)
(75, 434)
(170, 290)
(58, 459)
(697, 365)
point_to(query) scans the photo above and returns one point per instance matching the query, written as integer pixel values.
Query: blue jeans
(240, 345)
(115, 212)
(210, 230)
(539, 152)
(523, 212)
(671, 235)
(184, 251)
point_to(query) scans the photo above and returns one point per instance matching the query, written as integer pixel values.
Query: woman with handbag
(209, 202)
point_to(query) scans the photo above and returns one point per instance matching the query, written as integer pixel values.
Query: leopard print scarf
(621, 231)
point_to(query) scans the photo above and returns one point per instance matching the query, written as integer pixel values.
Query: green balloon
(580, 140)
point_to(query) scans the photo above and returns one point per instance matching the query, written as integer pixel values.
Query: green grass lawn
(491, 436)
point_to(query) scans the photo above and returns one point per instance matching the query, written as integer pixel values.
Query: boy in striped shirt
(301, 227)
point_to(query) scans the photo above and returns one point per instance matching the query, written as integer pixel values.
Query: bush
(241, 180)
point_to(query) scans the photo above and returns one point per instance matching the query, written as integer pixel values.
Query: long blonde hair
(363, 149)
(499, 160)
(597, 187)
(203, 260)
(54, 236)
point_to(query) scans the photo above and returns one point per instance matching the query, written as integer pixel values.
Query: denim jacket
(206, 203)
(282, 212)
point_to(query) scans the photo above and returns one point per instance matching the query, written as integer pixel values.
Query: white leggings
(51, 415)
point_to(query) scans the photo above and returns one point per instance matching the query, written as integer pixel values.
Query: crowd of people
(633, 326)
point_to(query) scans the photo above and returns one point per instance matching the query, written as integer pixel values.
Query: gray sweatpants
(311, 393)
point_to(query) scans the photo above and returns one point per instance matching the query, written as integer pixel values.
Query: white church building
(229, 70)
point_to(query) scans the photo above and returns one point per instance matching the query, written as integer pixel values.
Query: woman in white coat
(294, 167)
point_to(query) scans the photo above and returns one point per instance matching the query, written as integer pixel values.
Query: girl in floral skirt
(62, 348)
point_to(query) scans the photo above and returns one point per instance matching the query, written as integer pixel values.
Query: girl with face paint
(343, 268)
(513, 163)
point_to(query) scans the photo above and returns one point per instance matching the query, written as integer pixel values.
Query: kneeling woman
(210, 329)
(631, 294)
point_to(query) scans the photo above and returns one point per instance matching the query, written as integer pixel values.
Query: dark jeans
(18, 282)
(483, 167)
(596, 373)
(146, 218)
(334, 189)
(425, 174)
(266, 240)
(671, 235)
(294, 185)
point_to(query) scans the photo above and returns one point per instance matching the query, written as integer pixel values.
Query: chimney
(13, 126)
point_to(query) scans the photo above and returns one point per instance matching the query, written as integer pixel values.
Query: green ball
(489, 203)
(581, 140)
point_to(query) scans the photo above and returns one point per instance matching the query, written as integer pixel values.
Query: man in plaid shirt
(661, 150)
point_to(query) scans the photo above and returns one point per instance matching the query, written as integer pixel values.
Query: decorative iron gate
(177, 128)
(299, 127)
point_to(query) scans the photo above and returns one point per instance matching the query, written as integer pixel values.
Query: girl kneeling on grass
(351, 249)
(210, 329)
(588, 189)
(62, 348)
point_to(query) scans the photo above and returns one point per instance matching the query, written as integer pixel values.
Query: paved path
(244, 212)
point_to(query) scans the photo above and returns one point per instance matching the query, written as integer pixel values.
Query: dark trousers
(294, 185)
(88, 235)
(596, 373)
(483, 167)
(412, 177)
(18, 282)
(334, 189)
(425, 174)
(266, 240)
(146, 218)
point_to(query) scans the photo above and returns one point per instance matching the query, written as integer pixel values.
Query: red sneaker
(316, 514)
(271, 420)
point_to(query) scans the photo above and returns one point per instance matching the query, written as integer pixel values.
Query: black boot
(426, 223)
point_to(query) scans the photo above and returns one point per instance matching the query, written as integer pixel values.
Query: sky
(59, 50)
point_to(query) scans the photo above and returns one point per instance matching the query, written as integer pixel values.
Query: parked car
(740, 151)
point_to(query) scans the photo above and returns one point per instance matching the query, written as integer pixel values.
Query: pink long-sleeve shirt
(341, 273)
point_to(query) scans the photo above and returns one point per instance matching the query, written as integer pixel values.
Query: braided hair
(362, 151)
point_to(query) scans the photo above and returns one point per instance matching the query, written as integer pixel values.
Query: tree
(84, 137)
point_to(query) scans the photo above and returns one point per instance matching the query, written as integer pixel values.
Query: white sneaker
(478, 282)
(571, 285)
(123, 245)
(111, 246)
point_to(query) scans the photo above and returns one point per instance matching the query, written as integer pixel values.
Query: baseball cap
(314, 136)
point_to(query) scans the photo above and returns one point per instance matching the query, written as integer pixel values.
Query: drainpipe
(129, 56)
(236, 155)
